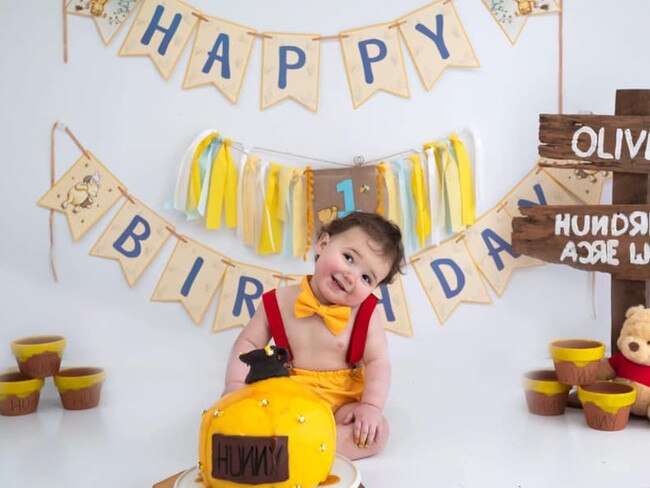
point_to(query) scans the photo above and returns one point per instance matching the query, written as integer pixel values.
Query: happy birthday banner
(434, 36)
(450, 272)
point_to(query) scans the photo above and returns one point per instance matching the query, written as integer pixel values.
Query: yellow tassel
(249, 198)
(466, 180)
(422, 217)
(194, 188)
(271, 236)
(223, 190)
(381, 169)
(309, 179)
(298, 216)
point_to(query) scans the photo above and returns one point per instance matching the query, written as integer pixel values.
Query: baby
(332, 330)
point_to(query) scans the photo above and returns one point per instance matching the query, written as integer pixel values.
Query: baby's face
(349, 267)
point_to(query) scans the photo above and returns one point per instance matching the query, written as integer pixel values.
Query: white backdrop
(456, 408)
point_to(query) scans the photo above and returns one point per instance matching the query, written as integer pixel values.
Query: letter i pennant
(84, 193)
(449, 277)
(192, 276)
(241, 293)
(133, 238)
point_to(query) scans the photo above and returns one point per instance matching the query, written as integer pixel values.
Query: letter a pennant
(241, 293)
(192, 276)
(161, 31)
(84, 193)
(449, 277)
(220, 56)
(133, 238)
(373, 62)
(436, 39)
(490, 243)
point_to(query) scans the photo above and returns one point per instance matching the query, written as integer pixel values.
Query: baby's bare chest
(314, 346)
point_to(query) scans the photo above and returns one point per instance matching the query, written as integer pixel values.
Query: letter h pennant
(161, 31)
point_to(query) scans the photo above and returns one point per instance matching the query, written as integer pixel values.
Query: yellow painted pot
(79, 388)
(19, 394)
(607, 404)
(545, 395)
(576, 360)
(38, 356)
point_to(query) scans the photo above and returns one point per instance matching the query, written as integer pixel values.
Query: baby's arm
(255, 335)
(368, 415)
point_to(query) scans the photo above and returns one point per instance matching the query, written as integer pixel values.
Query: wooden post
(629, 188)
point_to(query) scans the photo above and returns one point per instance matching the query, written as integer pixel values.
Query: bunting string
(287, 205)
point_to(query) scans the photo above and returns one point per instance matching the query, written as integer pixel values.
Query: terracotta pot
(545, 395)
(38, 356)
(19, 394)
(576, 360)
(607, 404)
(79, 388)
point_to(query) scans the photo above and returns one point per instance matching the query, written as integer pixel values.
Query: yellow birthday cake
(271, 433)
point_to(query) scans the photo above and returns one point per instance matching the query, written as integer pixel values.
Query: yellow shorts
(335, 387)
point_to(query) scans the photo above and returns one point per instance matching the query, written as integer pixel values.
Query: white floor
(148, 431)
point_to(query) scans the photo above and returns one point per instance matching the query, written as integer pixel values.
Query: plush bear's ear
(632, 310)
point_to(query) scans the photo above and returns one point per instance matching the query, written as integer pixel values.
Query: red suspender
(275, 321)
(360, 330)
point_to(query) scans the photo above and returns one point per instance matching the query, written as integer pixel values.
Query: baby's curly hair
(384, 232)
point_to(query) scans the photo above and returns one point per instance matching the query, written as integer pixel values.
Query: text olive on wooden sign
(614, 239)
(606, 142)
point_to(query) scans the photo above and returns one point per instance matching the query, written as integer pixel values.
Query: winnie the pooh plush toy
(632, 364)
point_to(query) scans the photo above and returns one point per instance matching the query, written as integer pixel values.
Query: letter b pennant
(133, 238)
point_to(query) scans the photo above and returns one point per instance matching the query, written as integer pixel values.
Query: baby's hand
(367, 419)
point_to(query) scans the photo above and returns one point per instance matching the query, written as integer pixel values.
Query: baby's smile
(338, 283)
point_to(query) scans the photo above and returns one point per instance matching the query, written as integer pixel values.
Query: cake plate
(348, 474)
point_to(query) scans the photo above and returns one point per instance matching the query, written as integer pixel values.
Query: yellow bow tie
(336, 317)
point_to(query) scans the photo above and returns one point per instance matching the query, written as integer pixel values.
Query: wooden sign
(614, 239)
(613, 143)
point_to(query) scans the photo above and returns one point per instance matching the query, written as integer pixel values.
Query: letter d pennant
(449, 277)
(84, 193)
(133, 238)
